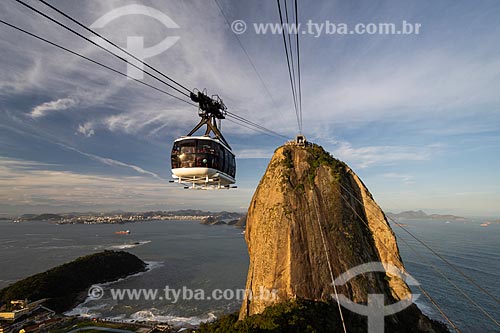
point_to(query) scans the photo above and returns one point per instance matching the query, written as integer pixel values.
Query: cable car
(204, 162)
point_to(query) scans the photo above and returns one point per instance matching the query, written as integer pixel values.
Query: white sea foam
(7, 281)
(427, 310)
(120, 317)
(86, 311)
(148, 315)
(8, 241)
(153, 265)
(123, 246)
(155, 315)
(150, 265)
(128, 245)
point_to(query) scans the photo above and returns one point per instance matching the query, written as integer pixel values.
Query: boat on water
(485, 224)
(122, 232)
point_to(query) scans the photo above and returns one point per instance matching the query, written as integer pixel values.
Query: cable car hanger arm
(210, 109)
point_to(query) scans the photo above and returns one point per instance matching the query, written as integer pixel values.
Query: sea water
(185, 254)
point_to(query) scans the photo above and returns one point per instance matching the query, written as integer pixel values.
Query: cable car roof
(208, 138)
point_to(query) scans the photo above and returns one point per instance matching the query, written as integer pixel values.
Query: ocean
(185, 254)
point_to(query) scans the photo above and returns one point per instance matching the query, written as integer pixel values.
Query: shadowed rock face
(303, 191)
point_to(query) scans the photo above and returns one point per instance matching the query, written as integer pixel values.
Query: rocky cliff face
(305, 197)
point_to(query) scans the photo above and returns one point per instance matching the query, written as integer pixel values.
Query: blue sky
(416, 116)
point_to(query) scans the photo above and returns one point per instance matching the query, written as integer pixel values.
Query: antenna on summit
(300, 140)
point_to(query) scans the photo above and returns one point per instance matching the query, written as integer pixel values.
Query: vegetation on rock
(306, 316)
(319, 157)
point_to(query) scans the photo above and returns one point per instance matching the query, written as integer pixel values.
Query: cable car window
(175, 155)
(221, 159)
(232, 172)
(176, 149)
(205, 146)
(215, 148)
(220, 152)
(188, 146)
(202, 160)
(175, 161)
(227, 160)
(187, 160)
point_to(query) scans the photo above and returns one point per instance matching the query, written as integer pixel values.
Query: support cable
(242, 124)
(431, 299)
(449, 281)
(288, 63)
(248, 57)
(230, 114)
(331, 272)
(439, 256)
(294, 83)
(298, 64)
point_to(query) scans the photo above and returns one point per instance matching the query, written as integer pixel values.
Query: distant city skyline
(416, 116)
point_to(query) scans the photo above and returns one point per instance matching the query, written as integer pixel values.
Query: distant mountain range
(421, 215)
(184, 212)
(208, 218)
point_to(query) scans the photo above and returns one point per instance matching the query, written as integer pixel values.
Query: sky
(416, 116)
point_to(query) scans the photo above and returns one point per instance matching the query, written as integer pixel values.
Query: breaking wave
(155, 315)
(129, 245)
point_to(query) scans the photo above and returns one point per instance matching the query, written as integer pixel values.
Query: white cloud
(150, 121)
(112, 162)
(18, 81)
(28, 186)
(57, 105)
(27, 183)
(406, 179)
(364, 157)
(23, 164)
(86, 129)
(104, 160)
(254, 153)
(394, 87)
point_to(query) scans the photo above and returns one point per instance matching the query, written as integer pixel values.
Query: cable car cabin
(203, 161)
